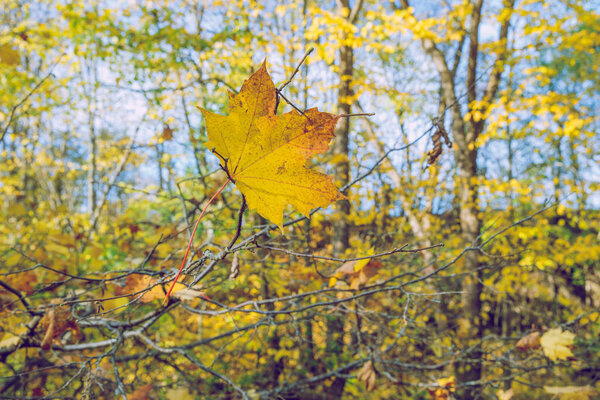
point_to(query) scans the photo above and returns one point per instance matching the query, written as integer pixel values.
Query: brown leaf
(137, 283)
(167, 133)
(187, 294)
(437, 150)
(141, 393)
(24, 281)
(56, 321)
(367, 375)
(235, 268)
(366, 273)
(359, 271)
(529, 342)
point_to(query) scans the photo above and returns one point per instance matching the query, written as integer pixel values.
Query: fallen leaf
(572, 392)
(265, 155)
(556, 343)
(529, 342)
(367, 375)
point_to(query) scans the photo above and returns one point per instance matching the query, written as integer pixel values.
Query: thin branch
(19, 296)
(356, 115)
(296, 70)
(336, 259)
(27, 96)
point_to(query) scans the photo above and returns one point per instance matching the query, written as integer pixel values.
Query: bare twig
(296, 70)
(27, 96)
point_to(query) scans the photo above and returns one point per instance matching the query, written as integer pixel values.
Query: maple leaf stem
(189, 246)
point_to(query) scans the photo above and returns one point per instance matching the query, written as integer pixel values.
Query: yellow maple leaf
(556, 342)
(265, 155)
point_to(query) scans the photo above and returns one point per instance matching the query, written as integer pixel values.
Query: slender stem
(187, 252)
(296, 70)
(356, 115)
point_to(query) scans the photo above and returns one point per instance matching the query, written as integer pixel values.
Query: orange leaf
(136, 283)
(265, 155)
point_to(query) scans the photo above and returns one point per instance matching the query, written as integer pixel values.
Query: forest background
(463, 264)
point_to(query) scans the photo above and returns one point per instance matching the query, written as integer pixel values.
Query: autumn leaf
(167, 133)
(444, 389)
(265, 155)
(56, 321)
(367, 375)
(234, 271)
(359, 271)
(188, 294)
(556, 343)
(505, 394)
(142, 393)
(24, 282)
(531, 341)
(438, 147)
(137, 283)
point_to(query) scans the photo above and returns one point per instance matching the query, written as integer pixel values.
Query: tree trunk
(341, 231)
(465, 134)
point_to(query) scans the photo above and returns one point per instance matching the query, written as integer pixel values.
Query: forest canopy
(342, 199)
